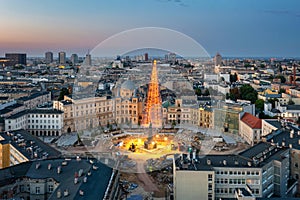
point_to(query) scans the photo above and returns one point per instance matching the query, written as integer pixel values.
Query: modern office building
(15, 58)
(259, 172)
(51, 179)
(20, 146)
(218, 59)
(88, 60)
(62, 58)
(48, 57)
(39, 122)
(74, 59)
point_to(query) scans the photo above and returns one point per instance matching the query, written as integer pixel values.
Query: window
(37, 190)
(50, 188)
(209, 187)
(209, 177)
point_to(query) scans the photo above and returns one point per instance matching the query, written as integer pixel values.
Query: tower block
(153, 110)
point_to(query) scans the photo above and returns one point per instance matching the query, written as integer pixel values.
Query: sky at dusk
(231, 27)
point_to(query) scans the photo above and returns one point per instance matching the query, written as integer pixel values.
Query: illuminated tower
(153, 110)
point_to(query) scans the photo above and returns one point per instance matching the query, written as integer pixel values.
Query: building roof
(33, 96)
(29, 145)
(35, 111)
(93, 188)
(273, 122)
(251, 158)
(293, 107)
(287, 136)
(251, 121)
(129, 85)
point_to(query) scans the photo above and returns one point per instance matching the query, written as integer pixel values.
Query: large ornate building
(128, 106)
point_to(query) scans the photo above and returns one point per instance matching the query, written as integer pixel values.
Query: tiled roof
(251, 121)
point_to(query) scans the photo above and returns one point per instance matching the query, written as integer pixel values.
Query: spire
(153, 110)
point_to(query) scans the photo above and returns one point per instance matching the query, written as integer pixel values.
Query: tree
(272, 101)
(233, 78)
(234, 94)
(247, 92)
(198, 91)
(63, 92)
(259, 104)
(206, 92)
(291, 102)
(282, 78)
(281, 91)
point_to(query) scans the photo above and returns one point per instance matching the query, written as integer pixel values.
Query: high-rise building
(146, 57)
(88, 59)
(218, 59)
(74, 58)
(15, 58)
(48, 57)
(62, 57)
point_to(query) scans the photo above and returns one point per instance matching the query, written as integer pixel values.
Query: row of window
(41, 126)
(252, 173)
(41, 121)
(231, 191)
(42, 116)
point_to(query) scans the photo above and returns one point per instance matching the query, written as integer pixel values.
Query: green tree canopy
(247, 92)
(259, 104)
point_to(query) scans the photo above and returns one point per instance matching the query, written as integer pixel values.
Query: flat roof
(94, 188)
(28, 144)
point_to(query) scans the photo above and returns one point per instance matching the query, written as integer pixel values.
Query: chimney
(283, 143)
(291, 146)
(85, 179)
(81, 192)
(298, 132)
(249, 164)
(80, 172)
(75, 180)
(208, 162)
(292, 133)
(66, 193)
(58, 194)
(299, 141)
(194, 154)
(37, 165)
(224, 162)
(58, 169)
(49, 166)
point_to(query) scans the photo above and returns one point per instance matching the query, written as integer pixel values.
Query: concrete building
(48, 57)
(88, 60)
(39, 122)
(19, 146)
(15, 58)
(218, 59)
(250, 128)
(269, 125)
(86, 112)
(62, 58)
(35, 99)
(288, 135)
(59, 179)
(227, 115)
(262, 170)
(128, 106)
(74, 59)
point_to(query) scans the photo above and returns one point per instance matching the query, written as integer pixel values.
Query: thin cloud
(177, 2)
(282, 12)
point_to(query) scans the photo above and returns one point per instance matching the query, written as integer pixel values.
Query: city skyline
(233, 28)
